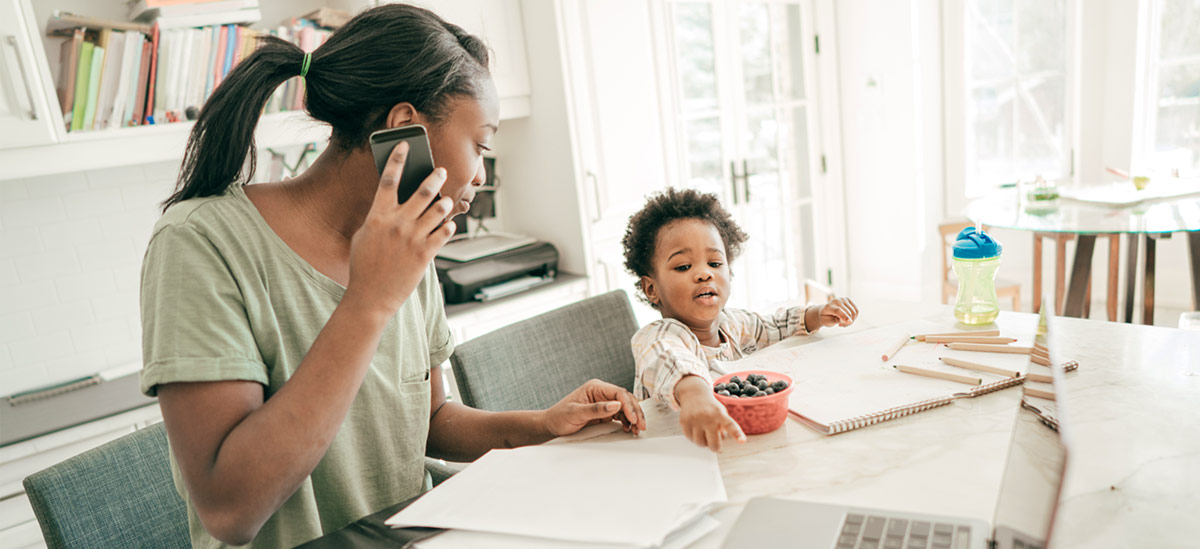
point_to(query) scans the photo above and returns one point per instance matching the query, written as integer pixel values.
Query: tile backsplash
(71, 249)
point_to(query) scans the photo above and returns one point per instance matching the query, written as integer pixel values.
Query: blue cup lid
(975, 245)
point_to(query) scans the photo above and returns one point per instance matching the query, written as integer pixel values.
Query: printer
(490, 272)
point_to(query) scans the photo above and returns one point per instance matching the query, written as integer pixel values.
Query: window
(1172, 133)
(1015, 92)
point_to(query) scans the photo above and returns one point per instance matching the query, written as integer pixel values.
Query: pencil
(989, 348)
(1038, 359)
(1040, 351)
(1042, 378)
(940, 375)
(970, 339)
(922, 337)
(980, 367)
(1030, 391)
(895, 348)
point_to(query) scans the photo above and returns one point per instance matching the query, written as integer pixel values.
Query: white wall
(71, 251)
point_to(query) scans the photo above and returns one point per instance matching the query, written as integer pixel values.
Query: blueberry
(723, 392)
(735, 380)
(751, 390)
(779, 385)
(760, 395)
(720, 387)
(762, 385)
(743, 396)
(770, 391)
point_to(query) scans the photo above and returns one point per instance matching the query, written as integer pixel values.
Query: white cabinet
(498, 24)
(25, 116)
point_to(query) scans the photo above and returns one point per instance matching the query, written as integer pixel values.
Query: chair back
(532, 364)
(120, 494)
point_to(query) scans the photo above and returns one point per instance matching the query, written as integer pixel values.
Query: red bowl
(757, 415)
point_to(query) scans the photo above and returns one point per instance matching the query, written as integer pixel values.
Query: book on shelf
(68, 61)
(82, 73)
(110, 77)
(93, 86)
(141, 11)
(63, 23)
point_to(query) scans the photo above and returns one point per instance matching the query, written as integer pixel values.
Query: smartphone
(419, 164)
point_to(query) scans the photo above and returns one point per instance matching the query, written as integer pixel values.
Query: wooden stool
(1060, 273)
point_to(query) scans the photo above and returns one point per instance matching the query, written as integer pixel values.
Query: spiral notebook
(841, 384)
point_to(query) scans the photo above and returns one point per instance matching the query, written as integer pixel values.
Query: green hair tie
(307, 61)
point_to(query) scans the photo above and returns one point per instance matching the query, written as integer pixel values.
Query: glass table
(1145, 222)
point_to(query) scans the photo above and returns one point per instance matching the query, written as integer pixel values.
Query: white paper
(843, 377)
(633, 492)
(462, 539)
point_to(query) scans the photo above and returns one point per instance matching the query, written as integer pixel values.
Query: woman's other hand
(594, 402)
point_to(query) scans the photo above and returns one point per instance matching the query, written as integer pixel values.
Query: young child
(680, 245)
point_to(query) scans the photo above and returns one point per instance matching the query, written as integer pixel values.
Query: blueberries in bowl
(755, 385)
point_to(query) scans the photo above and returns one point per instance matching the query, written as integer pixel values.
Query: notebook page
(842, 376)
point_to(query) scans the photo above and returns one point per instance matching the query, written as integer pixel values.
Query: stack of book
(161, 67)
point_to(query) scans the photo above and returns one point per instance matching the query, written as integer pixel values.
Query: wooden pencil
(922, 337)
(970, 339)
(1038, 359)
(1042, 378)
(895, 348)
(1039, 352)
(940, 375)
(985, 348)
(1030, 391)
(979, 367)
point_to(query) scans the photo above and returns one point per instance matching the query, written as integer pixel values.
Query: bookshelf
(34, 142)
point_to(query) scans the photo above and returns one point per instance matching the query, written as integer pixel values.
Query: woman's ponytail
(223, 136)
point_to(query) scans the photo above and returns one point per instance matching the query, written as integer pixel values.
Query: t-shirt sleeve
(441, 340)
(194, 321)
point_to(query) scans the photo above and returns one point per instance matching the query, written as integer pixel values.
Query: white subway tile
(120, 176)
(51, 186)
(163, 171)
(98, 336)
(46, 265)
(8, 273)
(93, 203)
(107, 254)
(15, 326)
(129, 278)
(31, 212)
(6, 362)
(28, 296)
(14, 242)
(13, 190)
(17, 380)
(71, 233)
(116, 305)
(124, 352)
(147, 196)
(58, 316)
(74, 366)
(84, 286)
(42, 347)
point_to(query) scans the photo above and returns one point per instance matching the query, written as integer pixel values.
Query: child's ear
(649, 289)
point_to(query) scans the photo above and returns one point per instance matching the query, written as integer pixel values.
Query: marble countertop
(1133, 478)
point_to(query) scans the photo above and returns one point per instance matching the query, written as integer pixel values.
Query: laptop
(1029, 493)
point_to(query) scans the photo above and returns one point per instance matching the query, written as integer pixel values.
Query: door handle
(746, 180)
(733, 179)
(599, 208)
(12, 40)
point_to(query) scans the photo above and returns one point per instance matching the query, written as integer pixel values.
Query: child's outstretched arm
(756, 331)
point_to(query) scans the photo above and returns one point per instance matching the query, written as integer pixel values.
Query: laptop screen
(1037, 456)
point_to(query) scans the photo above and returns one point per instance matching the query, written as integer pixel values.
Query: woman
(292, 331)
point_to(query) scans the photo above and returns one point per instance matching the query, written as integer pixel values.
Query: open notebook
(841, 384)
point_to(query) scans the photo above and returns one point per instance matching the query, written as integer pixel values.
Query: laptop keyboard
(876, 532)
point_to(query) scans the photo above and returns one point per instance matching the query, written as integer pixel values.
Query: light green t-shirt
(224, 298)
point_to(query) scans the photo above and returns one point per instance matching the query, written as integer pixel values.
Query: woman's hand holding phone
(391, 251)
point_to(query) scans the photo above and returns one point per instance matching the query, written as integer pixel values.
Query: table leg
(1037, 272)
(1060, 271)
(1148, 283)
(1114, 272)
(1081, 274)
(1131, 271)
(1194, 252)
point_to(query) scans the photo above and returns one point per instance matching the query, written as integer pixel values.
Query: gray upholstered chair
(532, 364)
(117, 495)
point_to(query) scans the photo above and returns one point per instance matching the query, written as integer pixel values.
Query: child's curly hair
(662, 209)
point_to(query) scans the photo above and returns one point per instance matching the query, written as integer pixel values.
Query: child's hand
(704, 420)
(840, 311)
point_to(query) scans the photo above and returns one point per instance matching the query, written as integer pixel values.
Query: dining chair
(1004, 288)
(1060, 273)
(532, 364)
(120, 494)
